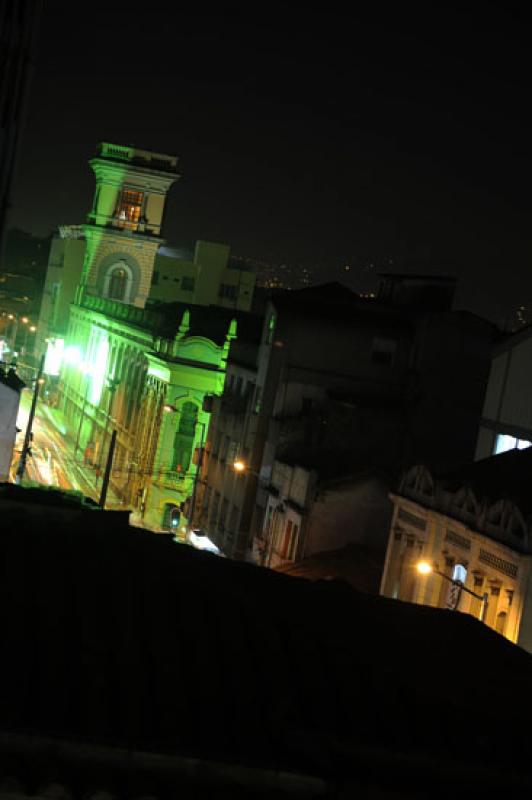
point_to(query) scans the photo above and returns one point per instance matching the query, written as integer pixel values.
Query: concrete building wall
(353, 511)
(105, 250)
(206, 280)
(516, 407)
(173, 280)
(507, 409)
(228, 498)
(304, 517)
(9, 402)
(65, 265)
(496, 385)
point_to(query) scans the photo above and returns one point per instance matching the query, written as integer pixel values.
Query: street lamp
(426, 568)
(30, 329)
(242, 468)
(112, 385)
(190, 521)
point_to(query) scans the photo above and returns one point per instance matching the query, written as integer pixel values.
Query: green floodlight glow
(72, 355)
(160, 372)
(54, 356)
(99, 369)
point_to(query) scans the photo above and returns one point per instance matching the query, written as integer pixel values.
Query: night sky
(312, 138)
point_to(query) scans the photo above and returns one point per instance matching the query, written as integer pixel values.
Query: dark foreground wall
(124, 640)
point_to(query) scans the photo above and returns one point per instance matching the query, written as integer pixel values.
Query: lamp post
(26, 447)
(14, 330)
(426, 568)
(241, 468)
(86, 373)
(112, 385)
(190, 521)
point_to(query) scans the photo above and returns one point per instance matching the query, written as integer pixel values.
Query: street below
(53, 460)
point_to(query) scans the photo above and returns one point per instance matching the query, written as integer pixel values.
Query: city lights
(239, 466)
(424, 568)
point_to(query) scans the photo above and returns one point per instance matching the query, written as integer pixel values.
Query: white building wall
(9, 402)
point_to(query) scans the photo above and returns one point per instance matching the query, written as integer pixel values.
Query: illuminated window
(459, 573)
(503, 443)
(129, 208)
(293, 543)
(500, 622)
(285, 546)
(117, 284)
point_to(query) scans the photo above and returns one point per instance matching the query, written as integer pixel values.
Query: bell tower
(123, 230)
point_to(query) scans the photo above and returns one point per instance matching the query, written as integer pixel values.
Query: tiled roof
(122, 638)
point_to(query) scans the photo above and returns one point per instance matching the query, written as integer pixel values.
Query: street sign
(453, 597)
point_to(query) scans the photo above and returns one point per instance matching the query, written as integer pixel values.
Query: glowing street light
(426, 568)
(239, 466)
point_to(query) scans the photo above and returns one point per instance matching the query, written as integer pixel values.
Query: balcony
(145, 318)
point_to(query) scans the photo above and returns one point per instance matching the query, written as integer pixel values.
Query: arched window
(500, 623)
(184, 438)
(117, 284)
(171, 517)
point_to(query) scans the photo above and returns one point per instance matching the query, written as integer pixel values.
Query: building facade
(308, 515)
(122, 362)
(10, 388)
(506, 421)
(339, 385)
(474, 529)
(201, 278)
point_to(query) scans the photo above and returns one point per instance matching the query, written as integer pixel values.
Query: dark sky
(308, 137)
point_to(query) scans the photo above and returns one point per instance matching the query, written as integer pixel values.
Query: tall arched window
(500, 622)
(184, 438)
(117, 283)
(459, 573)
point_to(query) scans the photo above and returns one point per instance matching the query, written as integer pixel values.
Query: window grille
(506, 567)
(412, 519)
(459, 541)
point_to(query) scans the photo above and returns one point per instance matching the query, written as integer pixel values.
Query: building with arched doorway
(130, 360)
(473, 528)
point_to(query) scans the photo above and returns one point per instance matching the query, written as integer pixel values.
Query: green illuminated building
(135, 357)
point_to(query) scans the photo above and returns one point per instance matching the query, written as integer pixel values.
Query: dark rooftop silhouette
(121, 638)
(502, 476)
